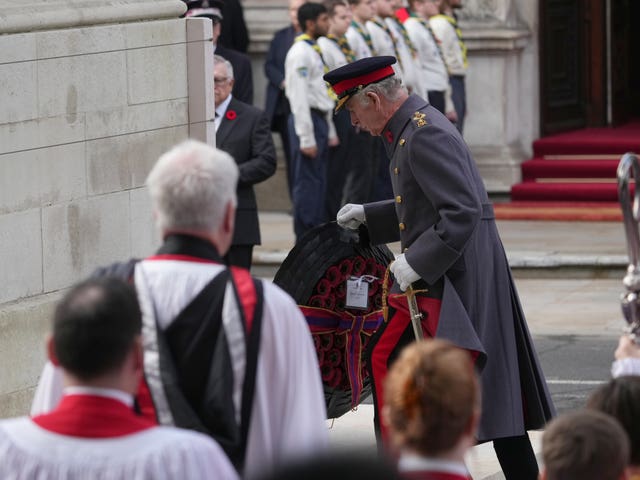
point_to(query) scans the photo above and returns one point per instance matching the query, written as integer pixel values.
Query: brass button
(402, 142)
(401, 226)
(395, 170)
(398, 199)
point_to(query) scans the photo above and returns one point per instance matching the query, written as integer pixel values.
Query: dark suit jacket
(277, 102)
(247, 138)
(243, 86)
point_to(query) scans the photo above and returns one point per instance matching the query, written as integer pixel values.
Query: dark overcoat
(444, 220)
(245, 134)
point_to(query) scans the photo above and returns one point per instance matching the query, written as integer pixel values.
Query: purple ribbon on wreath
(351, 326)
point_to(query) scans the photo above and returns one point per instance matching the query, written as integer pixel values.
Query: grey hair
(390, 88)
(226, 63)
(191, 186)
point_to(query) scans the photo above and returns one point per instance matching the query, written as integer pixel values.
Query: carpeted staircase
(571, 172)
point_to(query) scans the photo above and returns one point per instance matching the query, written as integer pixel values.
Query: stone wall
(86, 109)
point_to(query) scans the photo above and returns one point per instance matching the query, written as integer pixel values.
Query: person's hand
(311, 152)
(627, 348)
(334, 141)
(452, 116)
(403, 273)
(350, 216)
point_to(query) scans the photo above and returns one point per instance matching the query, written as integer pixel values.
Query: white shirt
(409, 64)
(415, 463)
(306, 89)
(383, 43)
(288, 417)
(332, 53)
(446, 33)
(221, 110)
(357, 42)
(28, 451)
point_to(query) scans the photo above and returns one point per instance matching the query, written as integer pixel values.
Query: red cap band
(344, 86)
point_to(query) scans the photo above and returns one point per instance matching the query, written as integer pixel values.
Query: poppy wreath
(315, 274)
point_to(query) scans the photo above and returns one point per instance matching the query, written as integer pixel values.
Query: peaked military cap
(353, 77)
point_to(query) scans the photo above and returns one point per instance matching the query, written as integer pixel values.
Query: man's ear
(375, 99)
(51, 351)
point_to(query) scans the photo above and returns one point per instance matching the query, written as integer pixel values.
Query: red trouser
(391, 338)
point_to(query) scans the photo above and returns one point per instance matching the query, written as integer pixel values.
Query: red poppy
(388, 135)
(231, 115)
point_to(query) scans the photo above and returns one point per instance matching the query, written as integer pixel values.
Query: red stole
(92, 416)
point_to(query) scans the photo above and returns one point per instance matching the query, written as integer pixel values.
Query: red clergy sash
(91, 416)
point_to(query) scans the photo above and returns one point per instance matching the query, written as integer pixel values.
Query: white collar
(222, 108)
(411, 463)
(112, 393)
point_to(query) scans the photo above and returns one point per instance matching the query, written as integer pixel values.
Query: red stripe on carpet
(559, 211)
(573, 192)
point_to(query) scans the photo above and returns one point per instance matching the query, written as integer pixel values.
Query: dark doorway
(574, 59)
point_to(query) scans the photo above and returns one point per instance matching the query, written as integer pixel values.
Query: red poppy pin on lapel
(231, 115)
(388, 135)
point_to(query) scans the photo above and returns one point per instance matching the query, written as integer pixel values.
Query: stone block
(82, 235)
(123, 162)
(23, 331)
(136, 118)
(80, 41)
(72, 85)
(150, 34)
(145, 238)
(17, 48)
(43, 176)
(157, 73)
(40, 133)
(486, 99)
(20, 255)
(18, 92)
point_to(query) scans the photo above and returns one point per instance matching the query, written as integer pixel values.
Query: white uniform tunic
(332, 53)
(450, 44)
(306, 89)
(412, 80)
(357, 42)
(432, 67)
(383, 43)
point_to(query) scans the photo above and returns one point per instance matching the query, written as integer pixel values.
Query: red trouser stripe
(389, 341)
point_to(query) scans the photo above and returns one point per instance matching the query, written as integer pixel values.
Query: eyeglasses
(220, 80)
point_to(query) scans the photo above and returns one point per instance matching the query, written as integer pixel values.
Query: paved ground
(569, 278)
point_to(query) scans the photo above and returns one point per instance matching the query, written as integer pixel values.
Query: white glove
(403, 273)
(351, 216)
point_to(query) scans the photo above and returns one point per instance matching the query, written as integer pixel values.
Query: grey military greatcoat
(444, 220)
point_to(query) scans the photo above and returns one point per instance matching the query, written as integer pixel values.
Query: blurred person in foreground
(584, 445)
(94, 431)
(432, 409)
(620, 398)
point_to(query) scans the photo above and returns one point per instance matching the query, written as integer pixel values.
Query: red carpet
(559, 211)
(578, 167)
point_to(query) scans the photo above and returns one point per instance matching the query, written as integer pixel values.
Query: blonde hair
(431, 394)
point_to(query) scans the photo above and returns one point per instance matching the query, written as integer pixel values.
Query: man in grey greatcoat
(452, 257)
